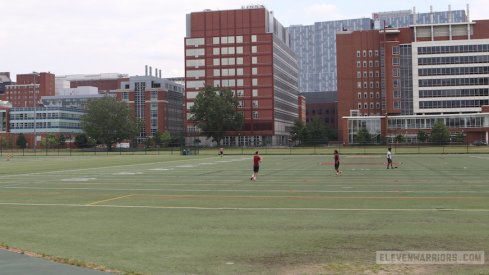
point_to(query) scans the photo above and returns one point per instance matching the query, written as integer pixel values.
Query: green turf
(172, 214)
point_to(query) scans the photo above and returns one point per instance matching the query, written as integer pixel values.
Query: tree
(423, 136)
(317, 132)
(162, 139)
(61, 140)
(400, 138)
(298, 131)
(440, 133)
(21, 141)
(109, 121)
(363, 136)
(214, 112)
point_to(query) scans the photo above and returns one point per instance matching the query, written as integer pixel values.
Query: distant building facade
(29, 89)
(425, 73)
(322, 106)
(155, 101)
(315, 45)
(105, 82)
(247, 51)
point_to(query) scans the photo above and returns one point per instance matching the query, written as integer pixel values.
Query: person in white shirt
(389, 158)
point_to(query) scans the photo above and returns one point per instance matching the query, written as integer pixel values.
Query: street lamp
(34, 74)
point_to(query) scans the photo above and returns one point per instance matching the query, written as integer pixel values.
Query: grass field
(172, 214)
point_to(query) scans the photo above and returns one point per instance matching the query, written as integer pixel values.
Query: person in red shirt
(337, 162)
(256, 165)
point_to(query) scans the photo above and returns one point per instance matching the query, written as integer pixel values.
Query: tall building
(247, 51)
(427, 73)
(29, 89)
(157, 102)
(315, 45)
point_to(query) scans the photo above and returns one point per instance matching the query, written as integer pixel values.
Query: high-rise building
(247, 51)
(426, 73)
(315, 45)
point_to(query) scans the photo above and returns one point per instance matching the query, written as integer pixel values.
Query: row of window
(366, 105)
(450, 104)
(453, 82)
(216, 40)
(370, 53)
(453, 49)
(454, 71)
(454, 93)
(370, 74)
(370, 64)
(366, 84)
(365, 95)
(453, 60)
(427, 123)
(40, 125)
(238, 93)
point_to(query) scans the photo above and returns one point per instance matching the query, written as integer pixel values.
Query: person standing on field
(389, 158)
(337, 162)
(221, 152)
(256, 165)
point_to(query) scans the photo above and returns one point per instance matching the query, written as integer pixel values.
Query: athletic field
(172, 214)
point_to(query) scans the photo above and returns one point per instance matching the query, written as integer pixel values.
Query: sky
(122, 36)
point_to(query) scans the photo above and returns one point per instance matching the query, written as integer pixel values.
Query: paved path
(12, 263)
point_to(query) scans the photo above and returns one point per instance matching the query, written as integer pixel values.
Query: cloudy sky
(121, 36)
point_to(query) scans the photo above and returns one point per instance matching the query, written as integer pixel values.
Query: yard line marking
(111, 199)
(248, 190)
(307, 197)
(98, 168)
(251, 208)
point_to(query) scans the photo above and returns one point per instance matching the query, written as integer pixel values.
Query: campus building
(105, 82)
(322, 106)
(156, 101)
(315, 45)
(29, 88)
(404, 80)
(247, 51)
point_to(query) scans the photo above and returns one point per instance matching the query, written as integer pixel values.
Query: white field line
(251, 190)
(111, 199)
(105, 167)
(250, 208)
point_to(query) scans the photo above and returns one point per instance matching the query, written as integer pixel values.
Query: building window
(395, 50)
(239, 60)
(240, 93)
(253, 38)
(359, 105)
(359, 85)
(239, 39)
(359, 64)
(364, 53)
(255, 114)
(240, 104)
(377, 64)
(255, 92)
(365, 106)
(371, 94)
(365, 64)
(216, 62)
(359, 95)
(396, 83)
(239, 82)
(215, 40)
(239, 50)
(376, 52)
(358, 53)
(255, 103)
(359, 74)
(371, 74)
(254, 60)
(215, 51)
(254, 71)
(377, 105)
(217, 72)
(370, 53)
(377, 95)
(365, 85)
(239, 71)
(254, 82)
(371, 105)
(254, 49)
(370, 64)
(396, 72)
(395, 61)
(365, 95)
(365, 74)
(371, 84)
(397, 104)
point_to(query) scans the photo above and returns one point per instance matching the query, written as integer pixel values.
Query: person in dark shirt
(256, 165)
(389, 158)
(337, 162)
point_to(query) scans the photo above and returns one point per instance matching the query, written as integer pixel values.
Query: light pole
(34, 74)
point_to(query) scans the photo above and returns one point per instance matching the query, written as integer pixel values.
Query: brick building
(29, 89)
(247, 51)
(398, 81)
